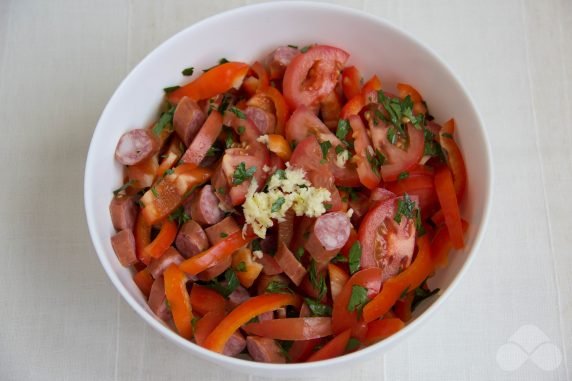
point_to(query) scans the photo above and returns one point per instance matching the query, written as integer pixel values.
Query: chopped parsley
(179, 215)
(375, 161)
(224, 103)
(221, 190)
(328, 206)
(400, 112)
(276, 287)
(280, 173)
(392, 135)
(220, 62)
(241, 267)
(318, 281)
(446, 135)
(352, 193)
(239, 114)
(223, 235)
(432, 148)
(241, 174)
(188, 71)
(293, 46)
(165, 120)
(305, 48)
(421, 293)
(325, 146)
(354, 257)
(343, 129)
(212, 151)
(229, 139)
(403, 175)
(168, 172)
(225, 289)
(420, 229)
(358, 299)
(299, 253)
(277, 205)
(405, 208)
(170, 89)
(154, 191)
(240, 130)
(352, 344)
(317, 308)
(123, 187)
(339, 259)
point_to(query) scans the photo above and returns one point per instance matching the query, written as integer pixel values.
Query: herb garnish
(188, 71)
(358, 299)
(355, 257)
(123, 187)
(277, 205)
(317, 308)
(405, 207)
(241, 174)
(166, 119)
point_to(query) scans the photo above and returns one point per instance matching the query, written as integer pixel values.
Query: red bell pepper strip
(303, 328)
(144, 281)
(351, 82)
(216, 253)
(262, 75)
(338, 279)
(381, 329)
(409, 279)
(281, 107)
(216, 81)
(404, 90)
(204, 299)
(334, 348)
(244, 313)
(207, 324)
(301, 350)
(448, 200)
(163, 241)
(142, 233)
(441, 245)
(454, 156)
(171, 191)
(178, 298)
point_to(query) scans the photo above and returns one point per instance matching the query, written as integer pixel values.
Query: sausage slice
(123, 213)
(134, 146)
(191, 239)
(123, 244)
(188, 119)
(264, 349)
(328, 235)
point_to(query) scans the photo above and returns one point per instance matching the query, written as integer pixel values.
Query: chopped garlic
(257, 254)
(424, 159)
(287, 189)
(350, 213)
(341, 158)
(262, 139)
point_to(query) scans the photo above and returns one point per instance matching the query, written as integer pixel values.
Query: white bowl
(248, 34)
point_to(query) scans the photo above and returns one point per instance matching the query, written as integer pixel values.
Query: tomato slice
(213, 82)
(291, 328)
(233, 157)
(351, 82)
(384, 242)
(399, 159)
(368, 175)
(204, 299)
(342, 318)
(338, 279)
(312, 75)
(303, 123)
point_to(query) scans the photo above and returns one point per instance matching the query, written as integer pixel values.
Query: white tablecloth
(60, 317)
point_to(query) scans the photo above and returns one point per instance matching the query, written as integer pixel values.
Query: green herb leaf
(352, 193)
(339, 259)
(358, 299)
(194, 321)
(276, 287)
(221, 191)
(392, 135)
(446, 135)
(165, 120)
(241, 267)
(168, 172)
(240, 130)
(352, 344)
(325, 146)
(179, 215)
(404, 293)
(318, 281)
(280, 173)
(305, 48)
(188, 71)
(419, 228)
(403, 175)
(223, 235)
(220, 62)
(405, 208)
(328, 206)
(293, 46)
(154, 191)
(355, 257)
(343, 129)
(421, 293)
(256, 245)
(212, 151)
(284, 346)
(239, 114)
(123, 187)
(231, 283)
(317, 308)
(299, 253)
(170, 89)
(277, 205)
(241, 174)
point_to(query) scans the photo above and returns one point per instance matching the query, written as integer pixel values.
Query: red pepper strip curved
(404, 90)
(207, 324)
(351, 79)
(178, 298)
(441, 245)
(171, 191)
(278, 144)
(163, 241)
(334, 348)
(142, 233)
(144, 281)
(262, 75)
(402, 307)
(301, 350)
(204, 299)
(242, 315)
(281, 107)
(352, 107)
(448, 200)
(454, 158)
(409, 279)
(216, 253)
(216, 81)
(304, 328)
(381, 329)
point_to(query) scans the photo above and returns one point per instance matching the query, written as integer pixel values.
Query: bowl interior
(249, 34)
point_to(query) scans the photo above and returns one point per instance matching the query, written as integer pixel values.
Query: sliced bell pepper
(171, 191)
(351, 82)
(207, 324)
(178, 298)
(370, 89)
(302, 349)
(143, 174)
(448, 200)
(163, 241)
(204, 299)
(338, 279)
(281, 107)
(244, 313)
(404, 90)
(216, 81)
(216, 253)
(334, 348)
(454, 156)
(278, 144)
(142, 233)
(144, 281)
(441, 245)
(302, 328)
(381, 329)
(247, 270)
(352, 107)
(262, 75)
(408, 279)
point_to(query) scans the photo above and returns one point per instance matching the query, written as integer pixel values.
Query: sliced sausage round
(157, 299)
(279, 59)
(191, 239)
(203, 207)
(235, 344)
(264, 121)
(134, 146)
(223, 229)
(264, 349)
(123, 244)
(123, 213)
(328, 235)
(238, 296)
(291, 266)
(188, 119)
(158, 265)
(269, 265)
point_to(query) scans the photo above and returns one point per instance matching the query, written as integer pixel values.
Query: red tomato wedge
(216, 81)
(312, 75)
(244, 313)
(205, 300)
(368, 175)
(176, 293)
(291, 328)
(448, 200)
(335, 347)
(303, 123)
(385, 243)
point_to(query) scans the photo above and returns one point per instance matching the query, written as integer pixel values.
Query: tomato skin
(386, 243)
(291, 328)
(303, 123)
(338, 278)
(404, 90)
(381, 329)
(312, 75)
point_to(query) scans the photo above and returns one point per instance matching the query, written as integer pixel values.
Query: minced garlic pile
(287, 189)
